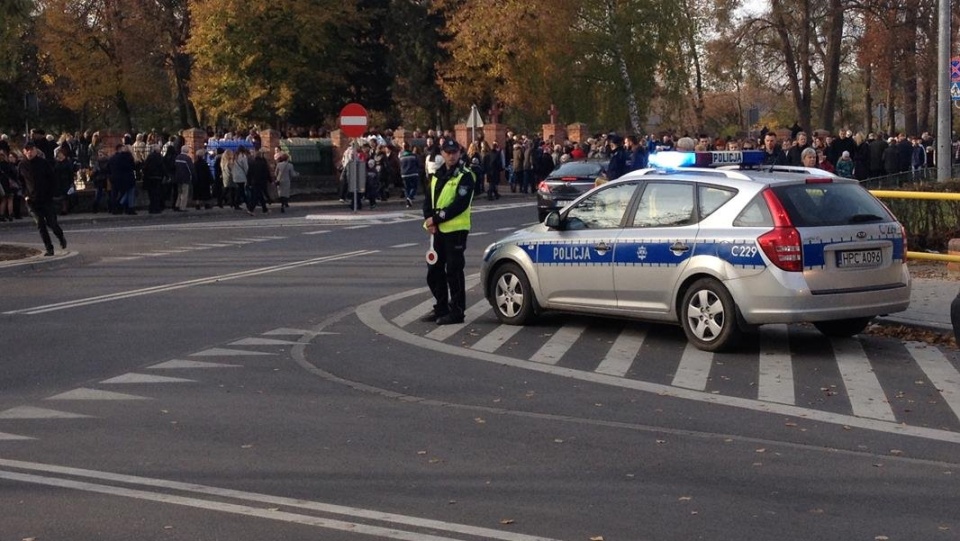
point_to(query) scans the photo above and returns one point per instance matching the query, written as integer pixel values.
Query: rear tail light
(543, 187)
(782, 243)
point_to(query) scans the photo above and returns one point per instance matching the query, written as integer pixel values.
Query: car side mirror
(553, 220)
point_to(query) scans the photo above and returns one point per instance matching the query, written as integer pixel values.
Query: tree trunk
(181, 72)
(868, 96)
(797, 64)
(126, 117)
(909, 69)
(831, 76)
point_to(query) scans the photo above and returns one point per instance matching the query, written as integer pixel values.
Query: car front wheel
(708, 316)
(513, 300)
(843, 327)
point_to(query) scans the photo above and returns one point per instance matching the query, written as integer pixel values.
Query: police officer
(446, 210)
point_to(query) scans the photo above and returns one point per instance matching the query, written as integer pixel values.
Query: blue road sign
(955, 69)
(955, 91)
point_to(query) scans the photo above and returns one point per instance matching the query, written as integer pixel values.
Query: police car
(717, 250)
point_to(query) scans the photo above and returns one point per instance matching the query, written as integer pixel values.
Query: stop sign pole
(353, 123)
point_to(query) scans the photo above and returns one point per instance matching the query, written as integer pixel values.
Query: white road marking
(211, 245)
(478, 233)
(30, 412)
(288, 332)
(227, 352)
(259, 508)
(176, 364)
(558, 344)
(263, 342)
(506, 229)
(414, 313)
(405, 245)
(623, 352)
(189, 283)
(316, 232)
(442, 332)
(775, 383)
(144, 378)
(94, 394)
(694, 369)
(370, 315)
(236, 242)
(13, 437)
(939, 371)
(496, 338)
(863, 389)
(358, 226)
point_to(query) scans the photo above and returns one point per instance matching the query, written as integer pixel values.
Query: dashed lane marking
(30, 412)
(262, 342)
(94, 394)
(176, 364)
(227, 352)
(144, 378)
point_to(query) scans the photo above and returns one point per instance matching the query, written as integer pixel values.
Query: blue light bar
(677, 160)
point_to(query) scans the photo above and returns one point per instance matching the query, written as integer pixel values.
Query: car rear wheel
(708, 316)
(843, 327)
(513, 300)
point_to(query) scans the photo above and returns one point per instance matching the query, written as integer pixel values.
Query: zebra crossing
(793, 365)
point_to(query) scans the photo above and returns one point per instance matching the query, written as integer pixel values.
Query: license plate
(859, 258)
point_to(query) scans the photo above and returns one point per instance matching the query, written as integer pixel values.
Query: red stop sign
(353, 120)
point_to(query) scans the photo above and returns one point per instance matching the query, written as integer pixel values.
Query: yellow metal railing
(941, 196)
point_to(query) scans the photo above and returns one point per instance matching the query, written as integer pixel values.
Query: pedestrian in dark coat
(40, 188)
(123, 179)
(202, 183)
(153, 175)
(258, 179)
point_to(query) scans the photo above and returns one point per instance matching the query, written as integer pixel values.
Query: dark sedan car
(567, 182)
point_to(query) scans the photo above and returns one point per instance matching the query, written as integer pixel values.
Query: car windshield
(830, 204)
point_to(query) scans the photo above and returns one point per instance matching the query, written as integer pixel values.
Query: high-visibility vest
(448, 193)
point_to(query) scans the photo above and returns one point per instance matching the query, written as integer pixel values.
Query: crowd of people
(171, 173)
(175, 177)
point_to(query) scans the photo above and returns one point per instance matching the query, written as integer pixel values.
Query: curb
(40, 262)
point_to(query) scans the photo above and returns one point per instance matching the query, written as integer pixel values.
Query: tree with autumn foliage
(597, 61)
(101, 53)
(254, 61)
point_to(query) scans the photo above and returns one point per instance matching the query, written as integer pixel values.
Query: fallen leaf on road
(597, 538)
(247, 446)
(421, 452)
(480, 420)
(557, 440)
(761, 450)
(896, 452)
(685, 498)
(506, 521)
(881, 538)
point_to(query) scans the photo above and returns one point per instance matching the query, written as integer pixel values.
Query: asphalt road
(266, 378)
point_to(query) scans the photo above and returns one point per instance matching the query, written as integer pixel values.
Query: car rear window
(578, 169)
(830, 204)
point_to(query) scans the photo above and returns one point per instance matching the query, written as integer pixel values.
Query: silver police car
(717, 251)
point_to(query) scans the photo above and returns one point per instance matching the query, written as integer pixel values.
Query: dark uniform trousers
(446, 275)
(45, 214)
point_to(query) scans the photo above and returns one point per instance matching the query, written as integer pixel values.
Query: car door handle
(679, 247)
(602, 247)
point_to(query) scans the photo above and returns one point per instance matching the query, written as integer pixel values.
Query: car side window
(712, 198)
(665, 204)
(604, 209)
